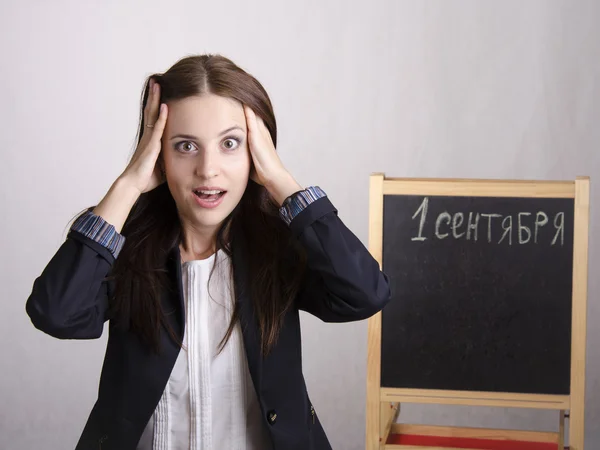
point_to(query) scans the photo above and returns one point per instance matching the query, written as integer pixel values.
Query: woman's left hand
(268, 169)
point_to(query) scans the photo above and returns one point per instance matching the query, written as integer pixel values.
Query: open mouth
(209, 196)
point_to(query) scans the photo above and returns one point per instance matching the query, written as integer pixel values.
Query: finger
(264, 130)
(148, 101)
(250, 119)
(153, 104)
(257, 125)
(161, 121)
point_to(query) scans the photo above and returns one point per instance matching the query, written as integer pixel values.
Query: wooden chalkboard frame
(383, 404)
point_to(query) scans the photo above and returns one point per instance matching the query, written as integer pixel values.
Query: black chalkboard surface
(482, 293)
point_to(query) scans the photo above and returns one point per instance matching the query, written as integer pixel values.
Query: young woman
(199, 257)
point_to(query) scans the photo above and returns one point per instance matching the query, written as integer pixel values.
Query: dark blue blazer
(69, 300)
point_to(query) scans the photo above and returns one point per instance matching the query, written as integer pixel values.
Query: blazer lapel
(174, 269)
(248, 320)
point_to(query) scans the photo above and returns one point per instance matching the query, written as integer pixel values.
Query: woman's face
(204, 147)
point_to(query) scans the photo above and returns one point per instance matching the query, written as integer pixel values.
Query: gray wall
(411, 88)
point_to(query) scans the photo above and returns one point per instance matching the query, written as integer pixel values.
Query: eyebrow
(195, 138)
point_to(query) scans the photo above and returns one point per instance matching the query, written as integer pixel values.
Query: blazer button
(272, 416)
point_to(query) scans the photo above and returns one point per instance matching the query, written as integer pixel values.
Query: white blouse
(209, 402)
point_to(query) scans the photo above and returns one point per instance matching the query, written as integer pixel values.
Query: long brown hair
(152, 230)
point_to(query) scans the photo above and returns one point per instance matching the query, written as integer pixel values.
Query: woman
(200, 256)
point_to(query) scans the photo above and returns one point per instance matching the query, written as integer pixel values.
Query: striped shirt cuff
(296, 202)
(96, 228)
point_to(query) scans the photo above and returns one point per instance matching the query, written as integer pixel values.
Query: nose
(208, 163)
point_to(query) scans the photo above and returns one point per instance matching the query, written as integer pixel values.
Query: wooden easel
(383, 404)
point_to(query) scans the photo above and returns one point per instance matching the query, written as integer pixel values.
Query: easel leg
(561, 430)
(388, 416)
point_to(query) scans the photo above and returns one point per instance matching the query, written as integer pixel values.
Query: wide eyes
(228, 144)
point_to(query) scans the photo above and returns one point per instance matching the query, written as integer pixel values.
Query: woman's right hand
(143, 172)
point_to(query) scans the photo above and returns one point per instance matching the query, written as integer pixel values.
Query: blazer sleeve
(70, 299)
(343, 281)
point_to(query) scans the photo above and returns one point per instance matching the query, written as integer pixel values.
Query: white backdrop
(411, 88)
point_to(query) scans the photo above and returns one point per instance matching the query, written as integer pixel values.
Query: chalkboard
(481, 293)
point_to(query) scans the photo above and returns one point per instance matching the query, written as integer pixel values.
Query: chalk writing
(521, 227)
